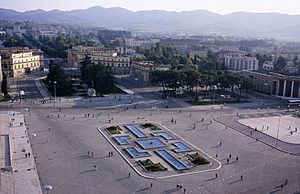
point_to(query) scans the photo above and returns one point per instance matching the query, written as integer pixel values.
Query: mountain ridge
(270, 25)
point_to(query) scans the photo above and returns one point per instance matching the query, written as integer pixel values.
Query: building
(274, 83)
(119, 64)
(268, 66)
(240, 63)
(16, 62)
(141, 71)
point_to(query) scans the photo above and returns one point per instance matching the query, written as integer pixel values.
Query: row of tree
(189, 80)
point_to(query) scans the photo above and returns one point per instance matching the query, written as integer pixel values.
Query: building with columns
(240, 63)
(274, 83)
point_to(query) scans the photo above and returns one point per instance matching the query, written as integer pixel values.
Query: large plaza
(74, 157)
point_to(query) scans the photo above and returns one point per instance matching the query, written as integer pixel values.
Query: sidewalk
(42, 89)
(24, 177)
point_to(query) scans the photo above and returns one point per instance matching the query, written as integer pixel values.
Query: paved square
(285, 127)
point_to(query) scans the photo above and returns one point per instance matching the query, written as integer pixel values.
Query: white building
(240, 63)
(268, 66)
(119, 64)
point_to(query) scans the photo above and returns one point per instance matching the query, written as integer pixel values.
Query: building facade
(240, 63)
(274, 84)
(119, 64)
(17, 62)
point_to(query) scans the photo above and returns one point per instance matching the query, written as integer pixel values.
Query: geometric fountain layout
(154, 151)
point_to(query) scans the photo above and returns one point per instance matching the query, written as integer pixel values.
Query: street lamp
(55, 82)
(135, 81)
(277, 136)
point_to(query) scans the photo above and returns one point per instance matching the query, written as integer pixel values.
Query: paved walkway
(23, 176)
(42, 89)
(232, 122)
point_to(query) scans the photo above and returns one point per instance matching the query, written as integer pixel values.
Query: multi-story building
(240, 63)
(274, 83)
(16, 62)
(119, 64)
(141, 71)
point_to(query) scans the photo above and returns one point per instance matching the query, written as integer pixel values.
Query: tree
(4, 85)
(63, 82)
(246, 84)
(280, 64)
(97, 76)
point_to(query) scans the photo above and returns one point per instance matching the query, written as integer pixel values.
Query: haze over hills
(269, 25)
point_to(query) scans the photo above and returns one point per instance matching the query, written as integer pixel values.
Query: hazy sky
(218, 6)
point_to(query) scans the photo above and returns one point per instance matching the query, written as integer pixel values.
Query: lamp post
(277, 136)
(135, 81)
(55, 82)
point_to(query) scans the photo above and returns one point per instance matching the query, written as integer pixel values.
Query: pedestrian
(151, 185)
(184, 190)
(112, 153)
(237, 159)
(95, 167)
(92, 154)
(226, 127)
(129, 175)
(285, 182)
(220, 143)
(28, 155)
(109, 153)
(88, 153)
(227, 160)
(216, 175)
(229, 155)
(242, 177)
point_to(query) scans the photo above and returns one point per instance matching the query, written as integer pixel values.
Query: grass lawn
(114, 130)
(152, 167)
(151, 126)
(197, 159)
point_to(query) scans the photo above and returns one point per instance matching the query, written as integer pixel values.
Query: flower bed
(197, 159)
(151, 126)
(114, 130)
(152, 167)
